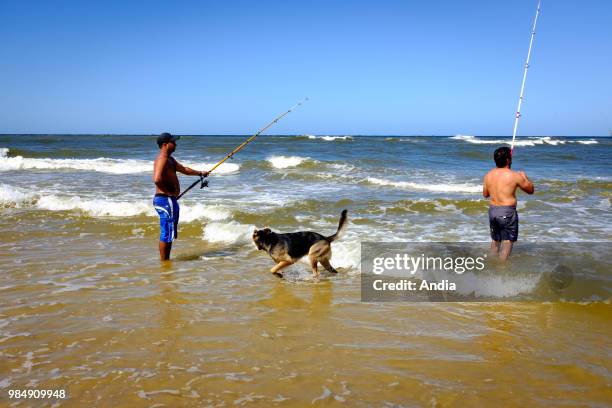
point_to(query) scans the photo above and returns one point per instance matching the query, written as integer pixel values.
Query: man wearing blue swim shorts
(500, 186)
(167, 189)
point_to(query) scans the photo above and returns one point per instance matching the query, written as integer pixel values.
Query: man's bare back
(500, 186)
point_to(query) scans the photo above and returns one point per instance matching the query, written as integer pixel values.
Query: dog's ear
(267, 230)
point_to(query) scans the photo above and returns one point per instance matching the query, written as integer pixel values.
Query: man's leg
(163, 207)
(506, 250)
(164, 250)
(510, 234)
(494, 250)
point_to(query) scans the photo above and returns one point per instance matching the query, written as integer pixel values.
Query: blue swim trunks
(168, 209)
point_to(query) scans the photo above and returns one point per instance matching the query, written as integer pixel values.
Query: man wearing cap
(167, 189)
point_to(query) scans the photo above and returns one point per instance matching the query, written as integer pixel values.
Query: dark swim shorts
(168, 209)
(504, 222)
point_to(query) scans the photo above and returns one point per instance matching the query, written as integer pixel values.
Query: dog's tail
(341, 227)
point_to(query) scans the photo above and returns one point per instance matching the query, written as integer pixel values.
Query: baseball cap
(166, 138)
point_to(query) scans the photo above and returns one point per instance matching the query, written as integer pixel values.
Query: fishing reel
(203, 182)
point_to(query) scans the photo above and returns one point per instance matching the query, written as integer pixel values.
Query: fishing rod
(203, 183)
(520, 102)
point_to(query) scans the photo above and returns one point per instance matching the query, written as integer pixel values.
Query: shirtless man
(500, 186)
(167, 189)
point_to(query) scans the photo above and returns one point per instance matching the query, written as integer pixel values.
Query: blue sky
(380, 68)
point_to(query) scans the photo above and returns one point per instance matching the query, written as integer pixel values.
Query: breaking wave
(228, 232)
(530, 141)
(411, 139)
(330, 138)
(13, 197)
(283, 162)
(429, 206)
(225, 168)
(102, 164)
(438, 187)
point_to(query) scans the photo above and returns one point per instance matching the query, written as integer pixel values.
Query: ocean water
(86, 306)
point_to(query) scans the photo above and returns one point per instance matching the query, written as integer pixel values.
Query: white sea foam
(200, 211)
(228, 232)
(550, 141)
(340, 166)
(346, 253)
(95, 207)
(14, 197)
(283, 162)
(462, 137)
(225, 168)
(587, 142)
(438, 187)
(330, 138)
(488, 286)
(474, 140)
(495, 286)
(530, 141)
(103, 165)
(11, 196)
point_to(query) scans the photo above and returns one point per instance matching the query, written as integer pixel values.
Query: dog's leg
(327, 265)
(313, 265)
(282, 264)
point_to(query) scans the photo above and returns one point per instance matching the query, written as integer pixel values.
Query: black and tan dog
(286, 249)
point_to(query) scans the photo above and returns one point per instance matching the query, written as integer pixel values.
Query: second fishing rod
(204, 183)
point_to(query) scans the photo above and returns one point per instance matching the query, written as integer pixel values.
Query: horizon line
(286, 135)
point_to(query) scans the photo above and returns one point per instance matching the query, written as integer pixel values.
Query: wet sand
(214, 328)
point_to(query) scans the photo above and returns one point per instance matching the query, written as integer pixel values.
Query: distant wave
(283, 162)
(435, 187)
(103, 165)
(329, 138)
(20, 198)
(413, 139)
(531, 141)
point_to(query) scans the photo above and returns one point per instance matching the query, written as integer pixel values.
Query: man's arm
(485, 190)
(158, 170)
(524, 183)
(189, 171)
